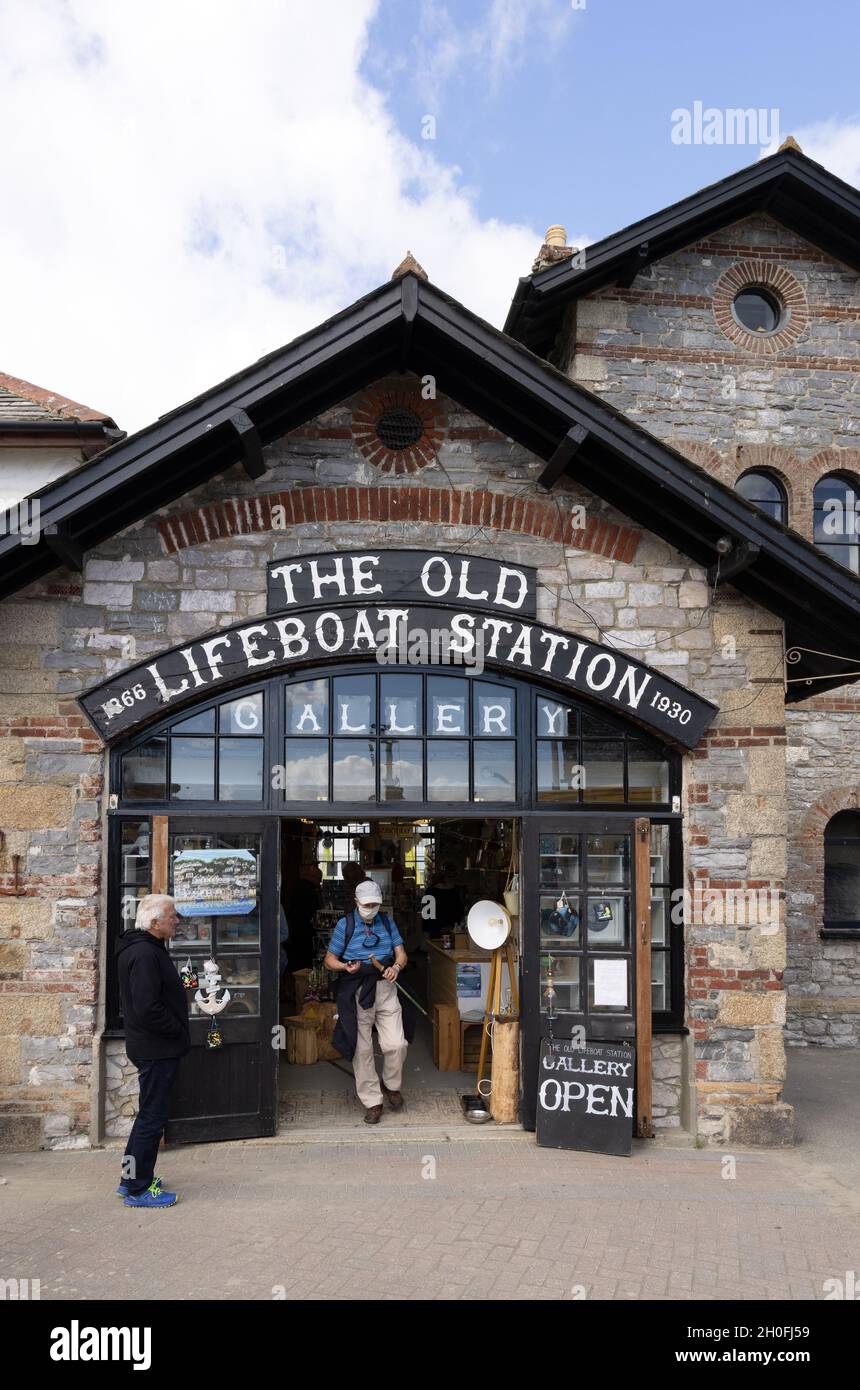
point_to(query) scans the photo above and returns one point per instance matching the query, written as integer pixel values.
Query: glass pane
(607, 920)
(354, 770)
(604, 771)
(129, 902)
(660, 916)
(495, 773)
(559, 861)
(593, 727)
(447, 771)
(842, 882)
(555, 720)
(659, 982)
(559, 985)
(307, 708)
(493, 711)
(144, 772)
(609, 980)
(240, 769)
(401, 705)
(244, 716)
(647, 772)
(306, 770)
(446, 705)
(192, 769)
(354, 711)
(833, 510)
(608, 859)
(560, 772)
(237, 931)
(559, 920)
(203, 723)
(400, 771)
(241, 975)
(135, 852)
(191, 932)
(660, 872)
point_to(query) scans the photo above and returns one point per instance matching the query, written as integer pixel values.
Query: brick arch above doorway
(479, 507)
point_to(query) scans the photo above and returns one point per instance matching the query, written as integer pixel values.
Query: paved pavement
(481, 1215)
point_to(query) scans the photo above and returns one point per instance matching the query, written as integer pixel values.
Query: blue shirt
(357, 950)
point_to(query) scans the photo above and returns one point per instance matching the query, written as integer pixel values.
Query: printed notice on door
(610, 984)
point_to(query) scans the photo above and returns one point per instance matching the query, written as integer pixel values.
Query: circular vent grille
(399, 429)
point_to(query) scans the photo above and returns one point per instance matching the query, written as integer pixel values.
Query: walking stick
(412, 1000)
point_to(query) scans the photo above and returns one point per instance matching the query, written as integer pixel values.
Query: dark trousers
(156, 1082)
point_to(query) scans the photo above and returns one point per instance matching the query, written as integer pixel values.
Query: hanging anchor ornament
(188, 975)
(210, 1003)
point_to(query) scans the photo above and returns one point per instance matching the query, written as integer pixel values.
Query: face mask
(367, 914)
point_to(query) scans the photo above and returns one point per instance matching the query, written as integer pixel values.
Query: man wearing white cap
(367, 997)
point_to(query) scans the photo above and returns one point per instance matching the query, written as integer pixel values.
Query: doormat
(342, 1109)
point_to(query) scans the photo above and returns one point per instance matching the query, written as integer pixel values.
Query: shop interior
(430, 872)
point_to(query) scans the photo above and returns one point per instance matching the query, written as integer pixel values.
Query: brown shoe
(373, 1115)
(395, 1099)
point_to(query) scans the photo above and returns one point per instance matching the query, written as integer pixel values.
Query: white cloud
(156, 157)
(490, 47)
(835, 143)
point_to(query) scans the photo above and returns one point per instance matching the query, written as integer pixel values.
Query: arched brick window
(836, 522)
(842, 871)
(766, 492)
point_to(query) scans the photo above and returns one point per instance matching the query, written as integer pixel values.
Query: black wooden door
(230, 1092)
(579, 957)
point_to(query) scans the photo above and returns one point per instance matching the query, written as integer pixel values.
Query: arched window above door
(362, 735)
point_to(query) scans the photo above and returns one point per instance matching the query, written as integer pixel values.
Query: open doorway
(430, 872)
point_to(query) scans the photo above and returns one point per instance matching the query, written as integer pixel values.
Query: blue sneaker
(152, 1197)
(122, 1190)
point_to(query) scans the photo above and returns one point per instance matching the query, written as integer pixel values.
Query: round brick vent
(396, 429)
(399, 429)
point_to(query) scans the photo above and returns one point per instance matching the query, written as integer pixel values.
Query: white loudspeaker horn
(488, 924)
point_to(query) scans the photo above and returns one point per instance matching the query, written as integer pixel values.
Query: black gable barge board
(266, 646)
(788, 186)
(410, 324)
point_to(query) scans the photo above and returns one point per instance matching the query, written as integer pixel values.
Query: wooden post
(504, 1073)
(642, 896)
(159, 855)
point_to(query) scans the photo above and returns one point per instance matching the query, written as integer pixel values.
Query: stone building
(647, 460)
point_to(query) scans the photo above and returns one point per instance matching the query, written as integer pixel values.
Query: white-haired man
(157, 1036)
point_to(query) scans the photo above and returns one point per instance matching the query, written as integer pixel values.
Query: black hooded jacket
(154, 1002)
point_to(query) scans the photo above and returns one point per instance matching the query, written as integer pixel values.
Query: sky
(189, 184)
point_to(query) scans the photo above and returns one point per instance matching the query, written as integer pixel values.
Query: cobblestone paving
(501, 1219)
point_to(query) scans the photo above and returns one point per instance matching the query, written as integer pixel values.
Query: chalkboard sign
(585, 1096)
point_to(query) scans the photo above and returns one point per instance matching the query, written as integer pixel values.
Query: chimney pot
(556, 236)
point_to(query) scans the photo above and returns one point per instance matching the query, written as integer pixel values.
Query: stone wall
(200, 564)
(824, 976)
(667, 352)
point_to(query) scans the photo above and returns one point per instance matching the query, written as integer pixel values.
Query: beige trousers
(385, 1014)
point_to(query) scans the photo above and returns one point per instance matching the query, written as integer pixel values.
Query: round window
(758, 311)
(399, 429)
